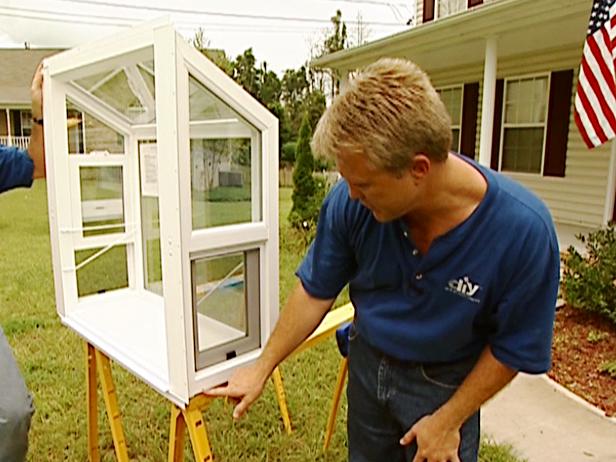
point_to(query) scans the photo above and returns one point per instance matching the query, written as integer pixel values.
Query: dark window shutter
(428, 10)
(498, 120)
(15, 122)
(468, 134)
(472, 3)
(557, 133)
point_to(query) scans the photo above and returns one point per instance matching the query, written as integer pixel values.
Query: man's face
(388, 196)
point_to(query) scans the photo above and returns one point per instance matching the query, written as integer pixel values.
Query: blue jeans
(386, 397)
(16, 407)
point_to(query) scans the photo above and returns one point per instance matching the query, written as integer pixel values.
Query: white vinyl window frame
(456, 125)
(506, 125)
(439, 7)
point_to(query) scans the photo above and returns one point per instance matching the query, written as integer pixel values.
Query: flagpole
(611, 186)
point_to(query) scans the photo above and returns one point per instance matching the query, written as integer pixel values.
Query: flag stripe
(593, 108)
(601, 52)
(592, 117)
(580, 114)
(582, 128)
(601, 95)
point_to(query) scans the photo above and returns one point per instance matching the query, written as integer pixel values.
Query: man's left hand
(437, 440)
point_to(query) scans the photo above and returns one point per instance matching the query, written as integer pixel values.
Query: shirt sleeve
(524, 317)
(330, 262)
(16, 168)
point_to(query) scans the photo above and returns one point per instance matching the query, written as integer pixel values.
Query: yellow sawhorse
(332, 321)
(190, 418)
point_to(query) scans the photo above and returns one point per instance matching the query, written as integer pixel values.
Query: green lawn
(52, 359)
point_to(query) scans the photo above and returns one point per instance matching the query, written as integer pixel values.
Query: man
(19, 168)
(453, 272)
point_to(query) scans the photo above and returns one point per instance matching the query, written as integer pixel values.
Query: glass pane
(204, 105)
(523, 150)
(220, 300)
(452, 99)
(455, 142)
(105, 272)
(129, 90)
(88, 135)
(448, 7)
(526, 101)
(150, 221)
(540, 98)
(102, 203)
(222, 149)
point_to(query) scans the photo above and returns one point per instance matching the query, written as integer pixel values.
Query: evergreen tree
(304, 212)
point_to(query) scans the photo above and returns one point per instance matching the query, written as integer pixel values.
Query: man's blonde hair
(389, 113)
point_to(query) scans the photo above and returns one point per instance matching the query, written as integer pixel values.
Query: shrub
(609, 368)
(589, 281)
(288, 152)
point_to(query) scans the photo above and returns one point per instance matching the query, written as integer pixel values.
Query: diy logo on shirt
(464, 287)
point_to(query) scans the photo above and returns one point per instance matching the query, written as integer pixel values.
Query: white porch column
(344, 79)
(611, 186)
(487, 103)
(8, 126)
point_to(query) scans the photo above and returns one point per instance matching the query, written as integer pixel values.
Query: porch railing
(19, 141)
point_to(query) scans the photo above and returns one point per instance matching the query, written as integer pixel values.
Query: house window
(26, 122)
(525, 115)
(448, 7)
(452, 98)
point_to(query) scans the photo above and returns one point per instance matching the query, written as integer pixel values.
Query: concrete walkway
(544, 422)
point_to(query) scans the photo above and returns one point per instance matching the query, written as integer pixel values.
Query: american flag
(595, 99)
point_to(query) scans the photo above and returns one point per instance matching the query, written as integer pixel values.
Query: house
(507, 72)
(18, 66)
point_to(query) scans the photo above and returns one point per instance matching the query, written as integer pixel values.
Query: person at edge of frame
(453, 272)
(18, 168)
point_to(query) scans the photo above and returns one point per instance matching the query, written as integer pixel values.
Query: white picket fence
(19, 141)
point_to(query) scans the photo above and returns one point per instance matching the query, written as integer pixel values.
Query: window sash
(453, 99)
(444, 8)
(525, 110)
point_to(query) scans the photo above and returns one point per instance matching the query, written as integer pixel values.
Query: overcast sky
(280, 32)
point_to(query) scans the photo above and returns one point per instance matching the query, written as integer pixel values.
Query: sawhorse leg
(192, 419)
(331, 421)
(282, 400)
(95, 360)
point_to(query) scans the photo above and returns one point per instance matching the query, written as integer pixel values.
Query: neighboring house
(507, 71)
(18, 66)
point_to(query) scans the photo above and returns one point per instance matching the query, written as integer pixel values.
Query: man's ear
(420, 166)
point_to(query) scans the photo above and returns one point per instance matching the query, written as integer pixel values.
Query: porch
(19, 141)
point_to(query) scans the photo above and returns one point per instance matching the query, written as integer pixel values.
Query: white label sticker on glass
(149, 169)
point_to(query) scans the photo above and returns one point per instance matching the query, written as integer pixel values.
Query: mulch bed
(582, 343)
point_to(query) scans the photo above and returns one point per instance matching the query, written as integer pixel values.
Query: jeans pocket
(353, 333)
(447, 375)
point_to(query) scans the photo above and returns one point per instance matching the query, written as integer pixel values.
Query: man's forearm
(486, 379)
(299, 318)
(36, 151)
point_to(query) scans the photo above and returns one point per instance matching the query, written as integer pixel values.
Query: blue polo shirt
(493, 279)
(16, 168)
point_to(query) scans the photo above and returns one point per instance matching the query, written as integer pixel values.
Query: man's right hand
(245, 386)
